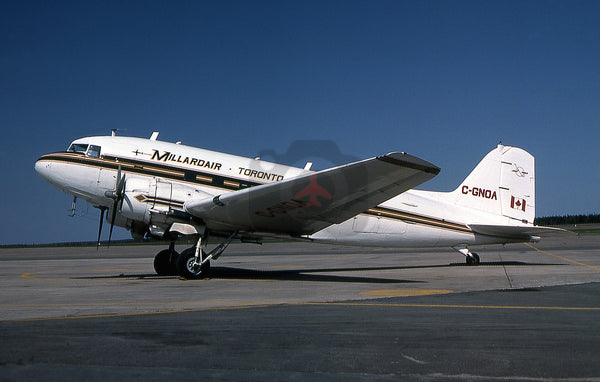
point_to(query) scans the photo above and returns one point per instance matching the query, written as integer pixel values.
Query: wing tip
(405, 160)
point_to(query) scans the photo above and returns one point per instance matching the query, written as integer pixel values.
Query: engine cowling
(154, 202)
(135, 205)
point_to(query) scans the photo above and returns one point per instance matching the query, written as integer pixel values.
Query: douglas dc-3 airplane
(168, 190)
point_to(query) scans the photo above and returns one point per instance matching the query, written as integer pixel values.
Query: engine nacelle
(151, 202)
(135, 202)
(120, 220)
(138, 229)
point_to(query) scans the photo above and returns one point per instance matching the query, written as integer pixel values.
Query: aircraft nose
(44, 170)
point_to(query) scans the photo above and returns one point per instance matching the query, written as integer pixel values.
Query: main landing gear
(165, 261)
(190, 266)
(192, 263)
(471, 257)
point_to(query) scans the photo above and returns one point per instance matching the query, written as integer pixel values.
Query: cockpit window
(94, 151)
(89, 150)
(78, 148)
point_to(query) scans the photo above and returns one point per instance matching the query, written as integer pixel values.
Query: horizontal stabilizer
(311, 202)
(517, 232)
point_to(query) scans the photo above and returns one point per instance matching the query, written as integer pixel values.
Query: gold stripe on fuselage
(393, 214)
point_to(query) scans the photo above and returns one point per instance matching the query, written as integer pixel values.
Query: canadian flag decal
(517, 203)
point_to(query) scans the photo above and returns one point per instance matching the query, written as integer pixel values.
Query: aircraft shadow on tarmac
(230, 273)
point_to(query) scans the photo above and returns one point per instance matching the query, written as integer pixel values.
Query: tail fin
(503, 183)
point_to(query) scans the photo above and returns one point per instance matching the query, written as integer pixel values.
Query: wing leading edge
(311, 202)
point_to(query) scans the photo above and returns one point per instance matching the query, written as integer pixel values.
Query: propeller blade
(120, 187)
(117, 195)
(112, 220)
(102, 209)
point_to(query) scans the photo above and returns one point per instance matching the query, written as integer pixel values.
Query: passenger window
(78, 148)
(94, 151)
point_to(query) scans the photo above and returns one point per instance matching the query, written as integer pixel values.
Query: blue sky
(443, 80)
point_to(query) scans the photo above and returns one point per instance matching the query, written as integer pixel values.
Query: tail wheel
(186, 265)
(165, 263)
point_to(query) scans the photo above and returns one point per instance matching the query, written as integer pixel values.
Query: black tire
(473, 259)
(165, 264)
(185, 265)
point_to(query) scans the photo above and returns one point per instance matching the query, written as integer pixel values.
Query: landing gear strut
(471, 257)
(194, 262)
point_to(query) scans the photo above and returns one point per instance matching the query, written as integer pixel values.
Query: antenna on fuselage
(113, 132)
(154, 136)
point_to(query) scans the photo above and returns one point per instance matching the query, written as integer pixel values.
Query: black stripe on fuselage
(153, 169)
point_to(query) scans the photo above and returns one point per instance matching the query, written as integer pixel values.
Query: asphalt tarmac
(298, 311)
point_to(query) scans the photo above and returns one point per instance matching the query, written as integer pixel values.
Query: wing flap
(308, 203)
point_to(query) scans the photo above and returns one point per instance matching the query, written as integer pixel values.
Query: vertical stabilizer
(503, 183)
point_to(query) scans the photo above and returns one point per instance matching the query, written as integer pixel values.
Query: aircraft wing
(517, 232)
(311, 202)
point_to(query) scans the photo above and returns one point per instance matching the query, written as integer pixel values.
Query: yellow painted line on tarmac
(405, 292)
(351, 255)
(597, 269)
(30, 276)
(112, 315)
(269, 305)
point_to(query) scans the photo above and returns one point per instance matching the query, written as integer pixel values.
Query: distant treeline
(568, 219)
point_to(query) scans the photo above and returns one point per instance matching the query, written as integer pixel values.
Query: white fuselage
(162, 176)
